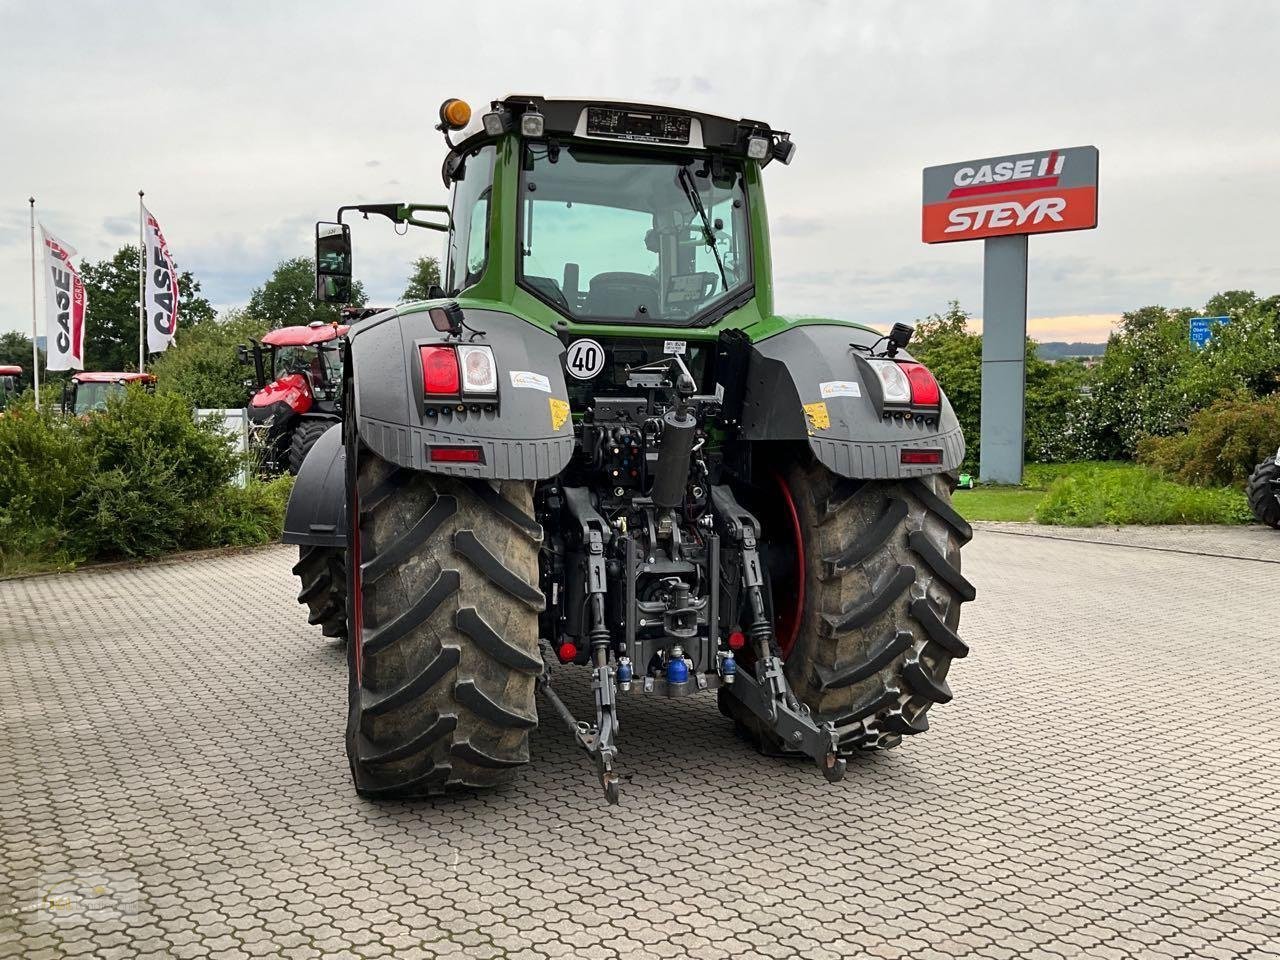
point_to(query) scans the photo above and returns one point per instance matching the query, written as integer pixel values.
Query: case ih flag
(1043, 192)
(162, 287)
(65, 305)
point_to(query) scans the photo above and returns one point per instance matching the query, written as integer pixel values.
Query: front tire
(323, 572)
(445, 655)
(1262, 493)
(882, 587)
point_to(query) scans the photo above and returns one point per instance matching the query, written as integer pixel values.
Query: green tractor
(599, 452)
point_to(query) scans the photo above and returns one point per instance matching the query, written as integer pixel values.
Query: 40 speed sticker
(585, 359)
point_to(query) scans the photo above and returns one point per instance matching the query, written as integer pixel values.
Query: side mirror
(242, 352)
(333, 262)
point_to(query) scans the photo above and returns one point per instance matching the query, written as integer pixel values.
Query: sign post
(1202, 330)
(1001, 200)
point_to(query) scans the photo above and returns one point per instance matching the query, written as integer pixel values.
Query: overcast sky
(246, 122)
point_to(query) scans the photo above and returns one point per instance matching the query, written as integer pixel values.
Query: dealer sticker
(530, 380)
(677, 347)
(839, 388)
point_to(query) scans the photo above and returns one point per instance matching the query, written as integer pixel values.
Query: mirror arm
(401, 213)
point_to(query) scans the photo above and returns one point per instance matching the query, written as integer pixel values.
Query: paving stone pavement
(1105, 784)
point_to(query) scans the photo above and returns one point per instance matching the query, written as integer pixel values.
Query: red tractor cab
(298, 376)
(89, 391)
(11, 384)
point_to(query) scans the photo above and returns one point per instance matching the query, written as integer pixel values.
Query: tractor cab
(11, 384)
(298, 373)
(88, 391)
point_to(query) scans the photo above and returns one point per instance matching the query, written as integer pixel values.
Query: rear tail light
(920, 456)
(465, 370)
(440, 375)
(479, 372)
(906, 382)
(924, 388)
(457, 455)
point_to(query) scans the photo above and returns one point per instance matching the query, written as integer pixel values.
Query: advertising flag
(65, 305)
(162, 287)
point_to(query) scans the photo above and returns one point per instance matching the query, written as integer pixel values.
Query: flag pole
(35, 348)
(142, 306)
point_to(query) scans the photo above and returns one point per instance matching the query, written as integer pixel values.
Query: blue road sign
(1202, 330)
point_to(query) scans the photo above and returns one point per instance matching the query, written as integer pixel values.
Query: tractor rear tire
(1262, 493)
(323, 572)
(882, 595)
(304, 438)
(443, 663)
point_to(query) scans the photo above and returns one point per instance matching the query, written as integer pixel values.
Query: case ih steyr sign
(1044, 192)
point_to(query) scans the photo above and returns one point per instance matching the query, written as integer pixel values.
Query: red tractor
(298, 372)
(10, 384)
(89, 391)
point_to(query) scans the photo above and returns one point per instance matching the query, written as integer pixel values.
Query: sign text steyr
(1043, 192)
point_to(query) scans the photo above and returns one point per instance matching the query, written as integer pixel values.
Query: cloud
(871, 93)
(120, 226)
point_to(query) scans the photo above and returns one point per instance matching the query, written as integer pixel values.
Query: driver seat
(620, 294)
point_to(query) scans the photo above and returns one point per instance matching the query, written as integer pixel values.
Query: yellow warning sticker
(818, 416)
(559, 412)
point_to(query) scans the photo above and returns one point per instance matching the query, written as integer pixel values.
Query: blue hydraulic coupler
(624, 674)
(728, 668)
(677, 670)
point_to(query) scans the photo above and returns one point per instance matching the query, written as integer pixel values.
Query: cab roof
(564, 117)
(7, 370)
(304, 336)
(102, 376)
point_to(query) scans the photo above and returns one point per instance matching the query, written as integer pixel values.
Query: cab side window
(469, 230)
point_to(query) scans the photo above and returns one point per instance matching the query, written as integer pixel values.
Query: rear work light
(906, 382)
(440, 377)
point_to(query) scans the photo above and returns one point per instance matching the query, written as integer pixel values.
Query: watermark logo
(88, 895)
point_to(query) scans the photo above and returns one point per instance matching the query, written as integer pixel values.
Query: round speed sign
(585, 359)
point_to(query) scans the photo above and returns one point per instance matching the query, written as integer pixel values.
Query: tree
(426, 274)
(15, 348)
(203, 366)
(944, 344)
(288, 298)
(1053, 404)
(111, 328)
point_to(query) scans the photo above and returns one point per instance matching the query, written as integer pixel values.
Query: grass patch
(1092, 494)
(998, 503)
(1136, 495)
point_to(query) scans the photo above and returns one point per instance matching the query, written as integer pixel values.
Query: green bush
(43, 467)
(136, 480)
(1222, 445)
(244, 516)
(1134, 494)
(154, 472)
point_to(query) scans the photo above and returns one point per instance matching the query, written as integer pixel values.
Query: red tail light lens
(457, 455)
(440, 376)
(924, 388)
(920, 456)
